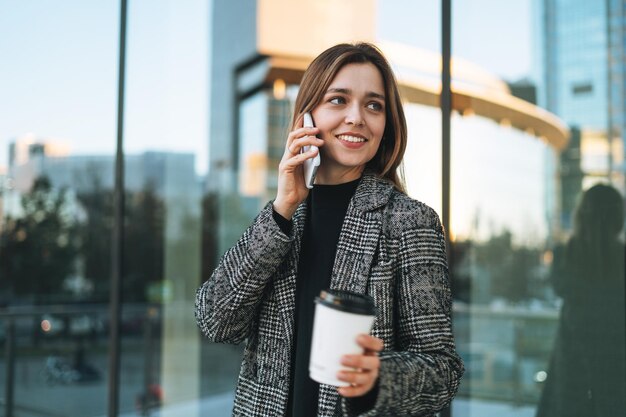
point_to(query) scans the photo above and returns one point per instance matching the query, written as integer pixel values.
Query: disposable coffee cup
(340, 316)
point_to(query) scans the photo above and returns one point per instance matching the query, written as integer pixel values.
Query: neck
(328, 175)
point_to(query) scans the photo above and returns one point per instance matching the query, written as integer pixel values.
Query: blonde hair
(316, 80)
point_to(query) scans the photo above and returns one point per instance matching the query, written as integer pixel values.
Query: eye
(337, 100)
(375, 105)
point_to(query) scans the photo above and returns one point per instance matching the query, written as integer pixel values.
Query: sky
(493, 34)
(61, 82)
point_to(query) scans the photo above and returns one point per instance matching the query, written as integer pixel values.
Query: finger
(350, 392)
(354, 391)
(370, 342)
(356, 378)
(361, 362)
(298, 159)
(296, 145)
(300, 133)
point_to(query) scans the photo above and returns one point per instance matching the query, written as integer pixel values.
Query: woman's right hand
(291, 187)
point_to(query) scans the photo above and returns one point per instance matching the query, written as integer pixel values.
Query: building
(31, 157)
(583, 76)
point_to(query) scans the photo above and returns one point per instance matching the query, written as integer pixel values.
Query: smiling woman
(355, 231)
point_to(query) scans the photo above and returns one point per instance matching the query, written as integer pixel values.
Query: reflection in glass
(587, 372)
(57, 138)
(40, 244)
(503, 314)
(54, 262)
(165, 162)
(524, 334)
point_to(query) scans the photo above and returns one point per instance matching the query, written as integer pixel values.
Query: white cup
(340, 316)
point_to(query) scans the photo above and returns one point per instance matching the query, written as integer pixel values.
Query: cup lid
(347, 301)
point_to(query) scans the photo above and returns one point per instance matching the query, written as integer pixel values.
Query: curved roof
(474, 90)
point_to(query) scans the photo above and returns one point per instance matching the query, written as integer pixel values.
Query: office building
(583, 68)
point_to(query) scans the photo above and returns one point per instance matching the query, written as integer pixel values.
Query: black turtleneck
(327, 206)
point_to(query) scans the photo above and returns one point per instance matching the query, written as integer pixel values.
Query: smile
(349, 138)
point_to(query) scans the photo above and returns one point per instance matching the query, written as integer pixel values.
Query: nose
(354, 115)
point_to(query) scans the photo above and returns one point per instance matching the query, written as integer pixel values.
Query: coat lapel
(360, 234)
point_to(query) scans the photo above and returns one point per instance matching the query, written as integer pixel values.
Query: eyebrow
(347, 91)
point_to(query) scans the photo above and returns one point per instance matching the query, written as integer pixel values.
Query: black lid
(347, 301)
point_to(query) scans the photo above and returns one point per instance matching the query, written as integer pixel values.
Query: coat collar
(371, 193)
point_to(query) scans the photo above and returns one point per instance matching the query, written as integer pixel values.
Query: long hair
(316, 80)
(598, 221)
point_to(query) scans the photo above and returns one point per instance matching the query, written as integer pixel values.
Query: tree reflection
(96, 232)
(496, 268)
(143, 241)
(57, 236)
(38, 249)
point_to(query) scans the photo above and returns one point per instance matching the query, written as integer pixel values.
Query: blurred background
(538, 117)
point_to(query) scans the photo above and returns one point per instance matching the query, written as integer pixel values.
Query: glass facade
(583, 78)
(537, 317)
(505, 314)
(536, 252)
(56, 180)
(576, 40)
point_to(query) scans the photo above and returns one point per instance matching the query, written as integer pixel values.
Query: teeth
(349, 138)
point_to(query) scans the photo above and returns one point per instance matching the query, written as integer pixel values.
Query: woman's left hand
(363, 378)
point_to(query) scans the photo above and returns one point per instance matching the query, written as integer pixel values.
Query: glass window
(165, 157)
(57, 140)
(527, 208)
(537, 186)
(411, 31)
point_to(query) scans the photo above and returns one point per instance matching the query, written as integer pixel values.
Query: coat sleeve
(420, 376)
(227, 303)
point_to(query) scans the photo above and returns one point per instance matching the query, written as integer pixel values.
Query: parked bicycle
(59, 371)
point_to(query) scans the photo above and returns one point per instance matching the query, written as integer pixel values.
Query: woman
(357, 231)
(587, 370)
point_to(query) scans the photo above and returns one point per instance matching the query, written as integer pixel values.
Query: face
(351, 119)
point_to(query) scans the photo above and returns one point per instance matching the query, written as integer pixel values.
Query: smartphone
(312, 164)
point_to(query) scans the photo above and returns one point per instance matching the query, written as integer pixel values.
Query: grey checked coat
(392, 248)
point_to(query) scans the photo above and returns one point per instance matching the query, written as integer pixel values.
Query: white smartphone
(312, 164)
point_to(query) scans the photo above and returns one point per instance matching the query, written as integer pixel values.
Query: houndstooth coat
(392, 248)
